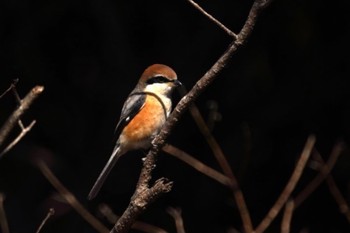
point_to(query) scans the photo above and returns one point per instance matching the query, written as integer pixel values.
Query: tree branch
(217, 22)
(3, 220)
(142, 190)
(225, 166)
(24, 131)
(21, 109)
(107, 212)
(49, 214)
(176, 214)
(299, 168)
(287, 216)
(70, 198)
(325, 169)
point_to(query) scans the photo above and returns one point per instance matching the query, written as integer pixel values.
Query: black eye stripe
(158, 79)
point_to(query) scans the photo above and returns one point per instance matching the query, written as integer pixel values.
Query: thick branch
(139, 203)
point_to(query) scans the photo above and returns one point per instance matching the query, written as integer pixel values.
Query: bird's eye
(158, 79)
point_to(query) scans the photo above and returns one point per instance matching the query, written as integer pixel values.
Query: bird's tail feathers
(105, 172)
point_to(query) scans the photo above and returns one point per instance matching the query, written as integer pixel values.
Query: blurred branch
(196, 164)
(14, 118)
(176, 214)
(224, 164)
(49, 214)
(3, 220)
(339, 198)
(324, 170)
(287, 216)
(144, 194)
(107, 212)
(284, 196)
(70, 198)
(333, 188)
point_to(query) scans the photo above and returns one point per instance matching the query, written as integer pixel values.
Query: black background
(290, 80)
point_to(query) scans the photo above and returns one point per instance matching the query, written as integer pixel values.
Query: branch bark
(22, 108)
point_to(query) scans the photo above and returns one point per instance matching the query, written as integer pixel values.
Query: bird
(143, 114)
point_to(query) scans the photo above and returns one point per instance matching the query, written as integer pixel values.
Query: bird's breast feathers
(145, 125)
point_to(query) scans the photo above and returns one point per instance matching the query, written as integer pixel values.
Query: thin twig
(338, 197)
(49, 214)
(217, 22)
(70, 198)
(137, 204)
(287, 216)
(18, 138)
(15, 93)
(107, 212)
(299, 168)
(179, 223)
(13, 85)
(334, 190)
(14, 117)
(196, 164)
(3, 219)
(322, 175)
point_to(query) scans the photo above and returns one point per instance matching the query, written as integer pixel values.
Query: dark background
(290, 80)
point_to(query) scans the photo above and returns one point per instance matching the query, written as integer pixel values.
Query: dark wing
(132, 106)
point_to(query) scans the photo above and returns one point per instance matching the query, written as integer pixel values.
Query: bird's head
(159, 79)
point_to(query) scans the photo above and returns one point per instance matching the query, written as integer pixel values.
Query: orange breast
(146, 123)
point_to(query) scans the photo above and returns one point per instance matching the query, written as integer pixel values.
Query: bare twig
(325, 169)
(338, 197)
(196, 164)
(70, 198)
(49, 214)
(24, 131)
(176, 214)
(107, 212)
(275, 209)
(13, 85)
(217, 22)
(3, 220)
(287, 216)
(15, 93)
(145, 194)
(14, 117)
(333, 188)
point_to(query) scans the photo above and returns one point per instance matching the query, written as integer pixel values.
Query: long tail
(106, 170)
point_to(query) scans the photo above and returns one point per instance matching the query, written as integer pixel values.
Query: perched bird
(143, 114)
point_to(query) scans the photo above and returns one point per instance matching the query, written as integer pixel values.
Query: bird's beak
(177, 83)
